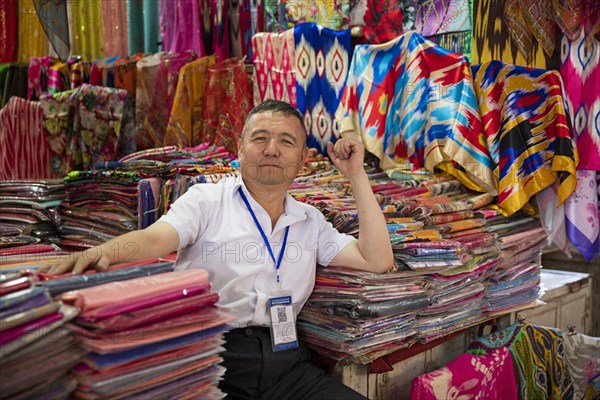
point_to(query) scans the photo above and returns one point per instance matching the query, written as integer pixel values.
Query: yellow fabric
(187, 115)
(86, 28)
(32, 40)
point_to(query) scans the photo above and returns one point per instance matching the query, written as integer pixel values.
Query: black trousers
(254, 371)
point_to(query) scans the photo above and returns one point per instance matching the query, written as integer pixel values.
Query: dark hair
(277, 106)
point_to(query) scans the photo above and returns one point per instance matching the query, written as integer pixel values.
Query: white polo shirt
(217, 233)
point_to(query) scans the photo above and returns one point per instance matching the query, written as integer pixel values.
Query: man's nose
(272, 148)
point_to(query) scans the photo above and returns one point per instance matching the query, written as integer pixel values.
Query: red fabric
(383, 20)
(8, 30)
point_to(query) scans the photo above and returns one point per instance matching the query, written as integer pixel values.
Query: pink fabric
(469, 377)
(134, 289)
(37, 83)
(273, 57)
(15, 333)
(24, 150)
(180, 26)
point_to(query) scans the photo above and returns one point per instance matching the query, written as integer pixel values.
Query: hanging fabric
(240, 28)
(114, 27)
(581, 210)
(54, 20)
(147, 68)
(383, 20)
(322, 59)
(32, 41)
(441, 16)
(180, 26)
(186, 123)
(275, 66)
(527, 131)
(86, 35)
(142, 26)
(215, 28)
(9, 10)
(435, 121)
(228, 103)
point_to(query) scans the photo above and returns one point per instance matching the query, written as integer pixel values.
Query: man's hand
(79, 262)
(348, 156)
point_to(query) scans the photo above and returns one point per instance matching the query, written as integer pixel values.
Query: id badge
(283, 325)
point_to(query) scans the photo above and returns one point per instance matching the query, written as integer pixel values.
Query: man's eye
(288, 142)
(259, 139)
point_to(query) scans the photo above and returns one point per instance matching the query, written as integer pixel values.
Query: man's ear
(304, 155)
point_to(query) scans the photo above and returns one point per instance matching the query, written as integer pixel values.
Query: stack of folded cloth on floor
(155, 336)
(36, 349)
(361, 315)
(28, 221)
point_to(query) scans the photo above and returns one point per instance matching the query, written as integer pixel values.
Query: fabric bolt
(142, 26)
(180, 26)
(147, 68)
(534, 146)
(14, 333)
(401, 75)
(538, 356)
(382, 21)
(580, 72)
(27, 316)
(86, 22)
(186, 122)
(489, 377)
(114, 27)
(322, 58)
(148, 201)
(214, 16)
(441, 16)
(583, 361)
(125, 74)
(228, 103)
(31, 41)
(9, 20)
(582, 219)
(163, 93)
(24, 149)
(37, 83)
(275, 66)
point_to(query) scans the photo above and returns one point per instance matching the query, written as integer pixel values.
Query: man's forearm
(373, 237)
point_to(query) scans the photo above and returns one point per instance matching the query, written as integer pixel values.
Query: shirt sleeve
(330, 241)
(186, 216)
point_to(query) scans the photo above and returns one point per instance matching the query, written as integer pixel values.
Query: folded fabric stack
(155, 336)
(28, 220)
(36, 350)
(361, 315)
(516, 281)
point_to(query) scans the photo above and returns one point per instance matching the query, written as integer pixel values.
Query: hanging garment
(583, 362)
(180, 26)
(147, 68)
(274, 66)
(322, 58)
(114, 27)
(240, 28)
(9, 30)
(486, 377)
(580, 72)
(86, 22)
(142, 26)
(163, 92)
(527, 131)
(441, 16)
(492, 39)
(54, 19)
(215, 28)
(538, 356)
(581, 211)
(24, 150)
(186, 122)
(228, 103)
(32, 41)
(435, 121)
(382, 20)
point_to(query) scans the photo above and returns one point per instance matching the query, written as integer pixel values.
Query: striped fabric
(24, 151)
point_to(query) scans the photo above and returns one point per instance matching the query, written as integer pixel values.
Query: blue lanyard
(265, 239)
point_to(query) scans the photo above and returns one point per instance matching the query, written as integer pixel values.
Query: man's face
(272, 149)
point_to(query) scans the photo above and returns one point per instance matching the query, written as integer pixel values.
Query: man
(258, 243)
